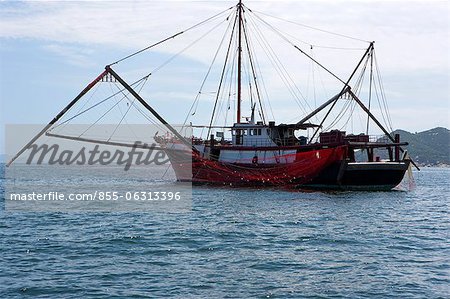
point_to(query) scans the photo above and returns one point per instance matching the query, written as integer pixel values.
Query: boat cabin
(259, 134)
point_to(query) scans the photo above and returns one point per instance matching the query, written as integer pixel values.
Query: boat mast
(239, 7)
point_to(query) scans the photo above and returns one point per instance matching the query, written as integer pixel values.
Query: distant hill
(431, 147)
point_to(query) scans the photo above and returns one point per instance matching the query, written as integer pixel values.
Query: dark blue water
(239, 243)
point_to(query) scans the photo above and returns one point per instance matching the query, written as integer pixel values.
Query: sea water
(239, 243)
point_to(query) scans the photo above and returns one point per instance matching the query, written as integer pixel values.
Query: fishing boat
(255, 151)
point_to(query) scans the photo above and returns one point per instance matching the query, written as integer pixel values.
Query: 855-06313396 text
(98, 195)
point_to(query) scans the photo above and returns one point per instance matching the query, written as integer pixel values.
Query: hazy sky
(50, 50)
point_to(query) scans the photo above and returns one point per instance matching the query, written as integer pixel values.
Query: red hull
(306, 166)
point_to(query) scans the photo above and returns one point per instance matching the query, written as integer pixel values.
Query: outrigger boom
(108, 70)
(57, 117)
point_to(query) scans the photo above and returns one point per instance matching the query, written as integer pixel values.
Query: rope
(310, 27)
(277, 31)
(222, 76)
(279, 67)
(171, 37)
(99, 103)
(197, 97)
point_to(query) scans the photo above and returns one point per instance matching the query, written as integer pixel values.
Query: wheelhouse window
(239, 136)
(290, 132)
(255, 132)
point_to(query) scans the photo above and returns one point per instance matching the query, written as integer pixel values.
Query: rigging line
(172, 36)
(251, 54)
(332, 48)
(65, 123)
(381, 108)
(194, 106)
(313, 81)
(154, 122)
(342, 113)
(279, 67)
(345, 88)
(250, 90)
(353, 105)
(358, 92)
(383, 94)
(309, 27)
(227, 75)
(358, 89)
(112, 91)
(126, 112)
(186, 48)
(276, 63)
(320, 46)
(174, 56)
(325, 92)
(81, 108)
(149, 118)
(277, 31)
(339, 116)
(103, 115)
(263, 82)
(230, 87)
(56, 118)
(209, 70)
(361, 121)
(222, 90)
(322, 84)
(123, 115)
(221, 78)
(360, 81)
(288, 77)
(246, 74)
(99, 103)
(253, 71)
(308, 82)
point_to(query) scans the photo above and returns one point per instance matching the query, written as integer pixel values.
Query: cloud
(409, 35)
(120, 23)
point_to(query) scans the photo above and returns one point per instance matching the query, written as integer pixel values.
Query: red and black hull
(303, 169)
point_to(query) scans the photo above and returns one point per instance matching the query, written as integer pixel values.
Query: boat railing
(362, 138)
(379, 138)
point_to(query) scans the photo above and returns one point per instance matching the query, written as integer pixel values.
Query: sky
(50, 50)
